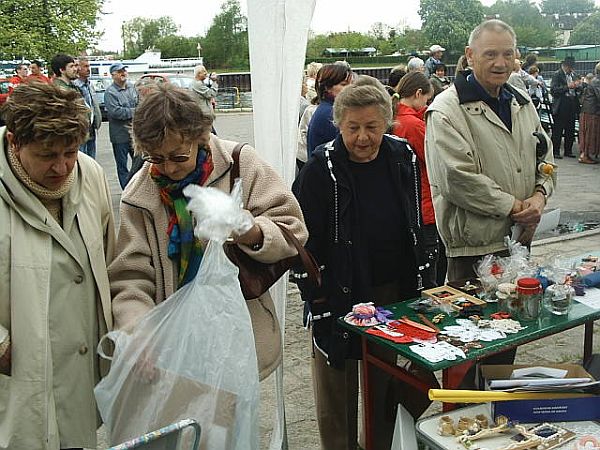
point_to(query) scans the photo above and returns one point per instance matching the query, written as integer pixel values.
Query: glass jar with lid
(529, 292)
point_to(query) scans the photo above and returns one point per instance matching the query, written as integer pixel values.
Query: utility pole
(123, 37)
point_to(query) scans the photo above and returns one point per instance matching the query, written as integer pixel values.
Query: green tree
(587, 32)
(141, 33)
(567, 6)
(315, 46)
(381, 31)
(351, 40)
(449, 22)
(43, 28)
(410, 41)
(178, 46)
(533, 29)
(226, 41)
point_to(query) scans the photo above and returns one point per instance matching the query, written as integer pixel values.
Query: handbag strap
(308, 261)
(235, 169)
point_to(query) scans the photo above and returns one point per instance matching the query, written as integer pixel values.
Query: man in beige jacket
(481, 159)
(481, 154)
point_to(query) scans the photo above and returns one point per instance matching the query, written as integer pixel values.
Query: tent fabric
(278, 34)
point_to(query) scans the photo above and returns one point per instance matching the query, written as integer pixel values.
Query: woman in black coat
(360, 199)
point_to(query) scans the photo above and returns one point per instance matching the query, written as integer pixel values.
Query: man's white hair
(495, 25)
(414, 64)
(198, 69)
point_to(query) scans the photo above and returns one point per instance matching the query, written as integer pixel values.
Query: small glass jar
(506, 294)
(529, 292)
(558, 299)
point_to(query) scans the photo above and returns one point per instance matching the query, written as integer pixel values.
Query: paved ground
(578, 192)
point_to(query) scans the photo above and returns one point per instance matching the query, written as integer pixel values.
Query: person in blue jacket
(331, 80)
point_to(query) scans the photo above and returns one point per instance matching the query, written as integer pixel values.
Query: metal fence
(235, 88)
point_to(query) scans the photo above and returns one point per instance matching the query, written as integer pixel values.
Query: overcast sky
(195, 17)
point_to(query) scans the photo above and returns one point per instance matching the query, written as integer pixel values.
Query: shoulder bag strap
(235, 169)
(308, 261)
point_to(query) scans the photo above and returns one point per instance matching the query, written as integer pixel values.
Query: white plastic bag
(192, 356)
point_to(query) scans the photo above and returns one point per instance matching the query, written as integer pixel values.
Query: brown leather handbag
(256, 277)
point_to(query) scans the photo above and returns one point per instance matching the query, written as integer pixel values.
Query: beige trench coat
(477, 167)
(27, 238)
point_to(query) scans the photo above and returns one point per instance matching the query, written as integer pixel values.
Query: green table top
(547, 324)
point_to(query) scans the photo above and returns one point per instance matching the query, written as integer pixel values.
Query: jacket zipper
(336, 235)
(417, 199)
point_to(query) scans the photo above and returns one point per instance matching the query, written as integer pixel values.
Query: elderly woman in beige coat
(156, 250)
(56, 239)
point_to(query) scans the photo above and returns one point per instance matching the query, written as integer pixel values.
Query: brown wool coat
(142, 275)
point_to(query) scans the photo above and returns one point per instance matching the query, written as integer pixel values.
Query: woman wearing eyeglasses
(157, 252)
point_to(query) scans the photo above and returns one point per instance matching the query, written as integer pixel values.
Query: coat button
(518, 170)
(346, 290)
(78, 279)
(83, 350)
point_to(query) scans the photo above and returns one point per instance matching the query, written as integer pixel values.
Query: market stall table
(453, 371)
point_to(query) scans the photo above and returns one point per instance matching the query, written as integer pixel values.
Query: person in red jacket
(37, 72)
(413, 92)
(20, 76)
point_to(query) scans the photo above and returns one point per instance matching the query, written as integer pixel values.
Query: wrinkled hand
(531, 211)
(517, 207)
(251, 237)
(527, 235)
(5, 361)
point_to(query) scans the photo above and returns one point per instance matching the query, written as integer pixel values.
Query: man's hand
(5, 359)
(531, 211)
(527, 235)
(517, 207)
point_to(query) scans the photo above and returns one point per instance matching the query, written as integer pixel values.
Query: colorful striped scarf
(183, 245)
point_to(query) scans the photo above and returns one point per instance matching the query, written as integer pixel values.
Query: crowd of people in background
(121, 99)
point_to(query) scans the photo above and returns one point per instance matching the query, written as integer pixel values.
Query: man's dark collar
(468, 92)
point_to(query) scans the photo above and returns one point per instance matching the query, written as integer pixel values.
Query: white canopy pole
(277, 35)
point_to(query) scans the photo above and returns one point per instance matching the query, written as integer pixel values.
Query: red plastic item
(529, 286)
(412, 331)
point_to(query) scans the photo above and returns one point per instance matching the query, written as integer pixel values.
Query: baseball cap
(116, 67)
(436, 48)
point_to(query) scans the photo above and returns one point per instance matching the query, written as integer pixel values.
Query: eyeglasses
(155, 159)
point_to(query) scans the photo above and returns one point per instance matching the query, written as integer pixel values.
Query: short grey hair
(597, 69)
(414, 63)
(361, 94)
(198, 69)
(494, 25)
